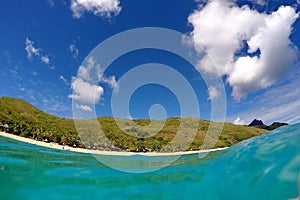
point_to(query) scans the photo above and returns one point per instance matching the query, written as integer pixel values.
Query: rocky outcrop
(256, 122)
(276, 125)
(260, 124)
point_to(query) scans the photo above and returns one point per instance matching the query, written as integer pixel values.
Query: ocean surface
(264, 167)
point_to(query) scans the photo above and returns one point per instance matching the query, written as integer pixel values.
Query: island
(20, 119)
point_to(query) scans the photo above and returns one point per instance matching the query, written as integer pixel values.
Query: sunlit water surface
(264, 167)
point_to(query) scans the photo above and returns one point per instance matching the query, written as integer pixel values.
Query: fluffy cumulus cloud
(86, 92)
(239, 121)
(91, 72)
(45, 59)
(85, 85)
(252, 49)
(213, 93)
(103, 8)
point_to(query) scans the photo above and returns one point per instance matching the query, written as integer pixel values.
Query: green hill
(25, 120)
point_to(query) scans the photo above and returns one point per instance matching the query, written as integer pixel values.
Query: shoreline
(99, 152)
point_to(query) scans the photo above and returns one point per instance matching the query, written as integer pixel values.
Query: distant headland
(259, 124)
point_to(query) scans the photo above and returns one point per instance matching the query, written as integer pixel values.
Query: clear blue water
(264, 167)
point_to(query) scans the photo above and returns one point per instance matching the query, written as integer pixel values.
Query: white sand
(88, 151)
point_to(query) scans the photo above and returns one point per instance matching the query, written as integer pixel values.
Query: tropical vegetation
(23, 119)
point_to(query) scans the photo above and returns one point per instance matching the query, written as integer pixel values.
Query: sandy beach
(88, 151)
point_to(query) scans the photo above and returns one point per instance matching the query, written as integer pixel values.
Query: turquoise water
(265, 167)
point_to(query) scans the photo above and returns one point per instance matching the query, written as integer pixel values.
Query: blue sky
(253, 45)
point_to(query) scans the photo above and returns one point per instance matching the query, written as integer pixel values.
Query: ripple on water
(264, 167)
(11, 160)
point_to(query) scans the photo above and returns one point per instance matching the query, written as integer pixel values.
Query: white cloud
(45, 59)
(277, 54)
(129, 117)
(111, 81)
(61, 77)
(103, 8)
(223, 29)
(85, 84)
(280, 103)
(85, 92)
(84, 108)
(74, 50)
(92, 72)
(239, 121)
(213, 93)
(31, 49)
(285, 112)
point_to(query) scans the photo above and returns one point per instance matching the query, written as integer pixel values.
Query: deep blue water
(264, 167)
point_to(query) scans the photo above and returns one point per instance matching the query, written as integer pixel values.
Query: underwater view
(263, 167)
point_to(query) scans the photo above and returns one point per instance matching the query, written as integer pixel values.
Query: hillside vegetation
(25, 120)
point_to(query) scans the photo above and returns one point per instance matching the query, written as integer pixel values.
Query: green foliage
(141, 135)
(27, 121)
